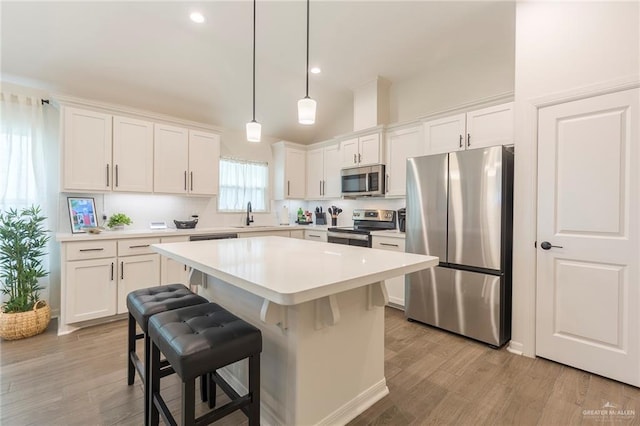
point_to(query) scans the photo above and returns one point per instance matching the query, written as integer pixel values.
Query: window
(242, 182)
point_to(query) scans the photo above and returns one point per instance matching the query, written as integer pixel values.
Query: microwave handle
(366, 182)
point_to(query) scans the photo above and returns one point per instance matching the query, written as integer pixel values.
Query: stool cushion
(202, 338)
(144, 303)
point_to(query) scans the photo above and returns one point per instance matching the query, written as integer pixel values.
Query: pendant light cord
(307, 48)
(254, 60)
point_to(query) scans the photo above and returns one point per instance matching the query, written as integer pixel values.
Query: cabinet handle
(468, 139)
(139, 246)
(324, 182)
(314, 236)
(288, 187)
(116, 175)
(185, 268)
(93, 249)
(354, 159)
(185, 180)
(121, 270)
(386, 189)
(389, 245)
(107, 175)
(111, 271)
(359, 159)
(191, 176)
(460, 141)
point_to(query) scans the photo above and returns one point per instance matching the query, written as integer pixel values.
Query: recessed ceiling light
(315, 70)
(197, 17)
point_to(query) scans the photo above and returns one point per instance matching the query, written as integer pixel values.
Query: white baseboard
(358, 405)
(516, 348)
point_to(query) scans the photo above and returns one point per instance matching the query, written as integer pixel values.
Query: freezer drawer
(468, 303)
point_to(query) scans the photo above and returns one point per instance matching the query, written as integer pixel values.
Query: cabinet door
(331, 187)
(401, 144)
(295, 175)
(172, 271)
(315, 173)
(86, 151)
(315, 235)
(297, 233)
(204, 158)
(349, 153)
(91, 289)
(171, 156)
(134, 273)
(445, 134)
(132, 155)
(490, 126)
(395, 285)
(369, 149)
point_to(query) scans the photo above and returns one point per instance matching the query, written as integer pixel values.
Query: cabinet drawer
(315, 236)
(136, 246)
(90, 250)
(388, 243)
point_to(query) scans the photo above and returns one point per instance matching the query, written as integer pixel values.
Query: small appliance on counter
(402, 218)
(186, 224)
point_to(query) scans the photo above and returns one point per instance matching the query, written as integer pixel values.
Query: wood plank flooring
(434, 378)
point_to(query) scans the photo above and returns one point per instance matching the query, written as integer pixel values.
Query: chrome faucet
(249, 219)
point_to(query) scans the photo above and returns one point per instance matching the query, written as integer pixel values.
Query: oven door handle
(348, 236)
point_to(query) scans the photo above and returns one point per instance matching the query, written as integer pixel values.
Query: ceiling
(150, 55)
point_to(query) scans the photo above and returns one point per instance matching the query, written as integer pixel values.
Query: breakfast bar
(320, 308)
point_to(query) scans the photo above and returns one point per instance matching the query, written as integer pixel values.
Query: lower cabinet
(134, 273)
(91, 289)
(315, 235)
(265, 234)
(395, 286)
(171, 271)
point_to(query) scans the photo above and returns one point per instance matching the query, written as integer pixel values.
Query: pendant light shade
(306, 105)
(306, 111)
(254, 129)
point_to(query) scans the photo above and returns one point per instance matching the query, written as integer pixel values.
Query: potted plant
(118, 220)
(23, 240)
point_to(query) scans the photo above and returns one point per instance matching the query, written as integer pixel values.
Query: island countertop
(290, 271)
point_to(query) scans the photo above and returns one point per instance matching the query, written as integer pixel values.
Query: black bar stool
(197, 341)
(142, 304)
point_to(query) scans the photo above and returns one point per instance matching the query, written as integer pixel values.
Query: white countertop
(169, 232)
(289, 271)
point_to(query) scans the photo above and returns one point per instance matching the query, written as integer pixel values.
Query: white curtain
(23, 180)
(242, 182)
(22, 166)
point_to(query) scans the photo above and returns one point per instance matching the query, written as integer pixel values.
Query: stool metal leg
(188, 402)
(254, 390)
(152, 416)
(131, 346)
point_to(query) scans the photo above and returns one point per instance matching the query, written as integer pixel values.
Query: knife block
(321, 219)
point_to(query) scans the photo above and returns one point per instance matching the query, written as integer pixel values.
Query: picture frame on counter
(82, 214)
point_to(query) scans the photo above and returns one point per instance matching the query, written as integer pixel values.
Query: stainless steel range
(364, 221)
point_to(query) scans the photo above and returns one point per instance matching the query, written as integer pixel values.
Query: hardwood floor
(434, 378)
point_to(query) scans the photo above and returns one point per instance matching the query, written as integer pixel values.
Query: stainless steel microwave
(363, 181)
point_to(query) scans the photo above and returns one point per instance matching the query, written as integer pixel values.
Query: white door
(132, 155)
(331, 187)
(315, 173)
(445, 134)
(369, 149)
(171, 159)
(349, 153)
(588, 294)
(401, 144)
(204, 158)
(134, 273)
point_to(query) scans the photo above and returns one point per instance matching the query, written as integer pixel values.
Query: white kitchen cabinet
(132, 155)
(401, 144)
(323, 173)
(297, 233)
(86, 150)
(361, 151)
(395, 286)
(171, 271)
(315, 235)
(265, 234)
(91, 289)
(134, 273)
(475, 129)
(185, 161)
(289, 171)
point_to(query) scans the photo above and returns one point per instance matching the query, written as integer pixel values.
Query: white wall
(562, 48)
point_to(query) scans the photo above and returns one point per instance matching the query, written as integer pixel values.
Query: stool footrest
(140, 336)
(225, 410)
(231, 392)
(137, 364)
(164, 410)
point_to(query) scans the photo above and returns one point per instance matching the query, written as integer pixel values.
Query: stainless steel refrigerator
(460, 208)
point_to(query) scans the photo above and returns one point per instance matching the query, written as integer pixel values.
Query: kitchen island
(320, 307)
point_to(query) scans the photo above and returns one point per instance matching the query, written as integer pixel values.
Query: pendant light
(254, 129)
(306, 105)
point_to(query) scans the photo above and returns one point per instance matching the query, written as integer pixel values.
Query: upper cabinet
(186, 161)
(323, 173)
(401, 144)
(86, 150)
(132, 155)
(476, 129)
(289, 171)
(361, 151)
(105, 152)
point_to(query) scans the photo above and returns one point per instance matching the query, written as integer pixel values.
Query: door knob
(546, 245)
